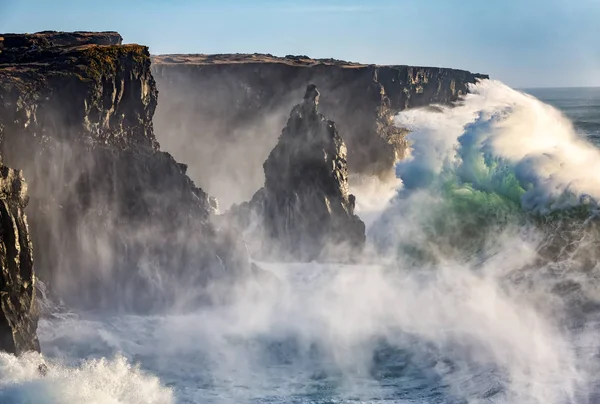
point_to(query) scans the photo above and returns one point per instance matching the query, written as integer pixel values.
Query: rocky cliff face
(18, 314)
(115, 221)
(225, 111)
(304, 207)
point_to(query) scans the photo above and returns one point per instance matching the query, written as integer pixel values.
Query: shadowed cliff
(115, 221)
(18, 314)
(225, 111)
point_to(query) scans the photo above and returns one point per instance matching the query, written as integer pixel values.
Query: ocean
(581, 105)
(480, 284)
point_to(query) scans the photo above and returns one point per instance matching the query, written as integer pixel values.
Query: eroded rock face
(225, 112)
(305, 207)
(18, 315)
(116, 222)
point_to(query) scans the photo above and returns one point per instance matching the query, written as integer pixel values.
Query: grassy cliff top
(261, 58)
(85, 61)
(241, 58)
(58, 38)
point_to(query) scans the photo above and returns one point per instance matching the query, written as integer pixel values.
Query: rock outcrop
(18, 314)
(115, 221)
(225, 111)
(305, 207)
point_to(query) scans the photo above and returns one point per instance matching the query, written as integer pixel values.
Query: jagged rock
(18, 315)
(90, 94)
(228, 110)
(305, 206)
(115, 221)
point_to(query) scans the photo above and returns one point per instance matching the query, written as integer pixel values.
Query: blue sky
(525, 43)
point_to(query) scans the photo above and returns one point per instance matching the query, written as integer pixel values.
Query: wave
(502, 141)
(496, 159)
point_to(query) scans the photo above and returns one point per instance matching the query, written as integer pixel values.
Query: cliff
(18, 314)
(115, 221)
(225, 111)
(304, 208)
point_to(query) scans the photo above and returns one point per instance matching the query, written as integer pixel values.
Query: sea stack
(307, 211)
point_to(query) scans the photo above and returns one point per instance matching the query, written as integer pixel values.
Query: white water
(496, 126)
(451, 330)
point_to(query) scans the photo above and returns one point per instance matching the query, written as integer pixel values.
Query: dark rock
(227, 111)
(305, 206)
(18, 316)
(43, 370)
(115, 221)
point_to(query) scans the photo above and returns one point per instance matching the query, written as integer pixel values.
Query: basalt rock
(305, 207)
(227, 111)
(116, 221)
(18, 315)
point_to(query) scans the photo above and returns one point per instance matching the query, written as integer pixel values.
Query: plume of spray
(494, 127)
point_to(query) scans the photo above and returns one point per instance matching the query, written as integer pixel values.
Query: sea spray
(465, 312)
(500, 140)
(100, 381)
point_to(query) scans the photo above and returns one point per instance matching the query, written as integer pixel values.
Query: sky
(524, 43)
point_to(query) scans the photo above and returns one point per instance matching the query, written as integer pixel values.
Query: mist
(223, 138)
(456, 298)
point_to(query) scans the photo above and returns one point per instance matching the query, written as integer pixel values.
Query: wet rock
(43, 370)
(306, 209)
(18, 316)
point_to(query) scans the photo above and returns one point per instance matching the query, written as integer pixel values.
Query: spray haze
(477, 282)
(451, 301)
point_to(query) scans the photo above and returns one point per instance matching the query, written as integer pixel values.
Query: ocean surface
(480, 285)
(581, 105)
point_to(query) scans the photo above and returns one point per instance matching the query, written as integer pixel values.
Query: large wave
(482, 288)
(503, 141)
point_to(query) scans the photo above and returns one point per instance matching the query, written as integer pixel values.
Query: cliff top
(85, 54)
(47, 39)
(54, 50)
(244, 58)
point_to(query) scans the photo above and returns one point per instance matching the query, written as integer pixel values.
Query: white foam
(99, 381)
(553, 164)
(260, 348)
